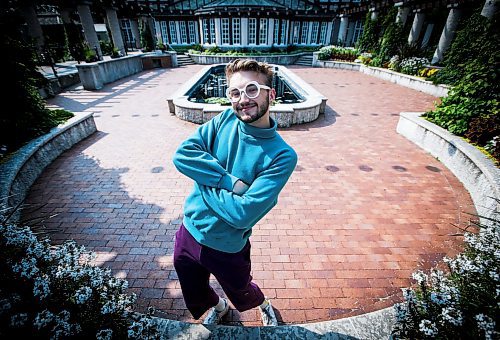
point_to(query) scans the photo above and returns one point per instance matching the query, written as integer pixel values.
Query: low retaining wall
(20, 170)
(282, 59)
(411, 82)
(477, 173)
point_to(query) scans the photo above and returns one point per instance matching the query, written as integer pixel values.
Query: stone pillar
(134, 25)
(197, 32)
(244, 32)
(402, 13)
(34, 28)
(88, 28)
(344, 22)
(202, 33)
(309, 33)
(218, 33)
(350, 33)
(178, 31)
(329, 31)
(270, 31)
(418, 22)
(447, 34)
(374, 13)
(489, 8)
(427, 35)
(335, 31)
(65, 15)
(116, 32)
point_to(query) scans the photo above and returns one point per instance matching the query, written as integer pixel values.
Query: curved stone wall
(477, 173)
(20, 170)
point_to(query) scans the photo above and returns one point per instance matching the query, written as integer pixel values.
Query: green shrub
(368, 42)
(473, 102)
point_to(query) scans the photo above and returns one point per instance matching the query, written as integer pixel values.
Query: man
(239, 164)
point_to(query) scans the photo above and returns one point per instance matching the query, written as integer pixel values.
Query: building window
(192, 32)
(206, 32)
(236, 31)
(324, 28)
(358, 30)
(173, 32)
(284, 33)
(182, 28)
(305, 31)
(252, 31)
(225, 31)
(164, 32)
(296, 27)
(314, 34)
(127, 31)
(263, 32)
(212, 31)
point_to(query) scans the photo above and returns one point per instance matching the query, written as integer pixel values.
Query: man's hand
(240, 187)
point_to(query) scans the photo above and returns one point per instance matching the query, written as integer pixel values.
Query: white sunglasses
(251, 90)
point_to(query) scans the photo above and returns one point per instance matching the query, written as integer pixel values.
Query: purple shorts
(195, 262)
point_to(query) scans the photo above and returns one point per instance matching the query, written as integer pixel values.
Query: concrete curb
(20, 170)
(376, 325)
(478, 173)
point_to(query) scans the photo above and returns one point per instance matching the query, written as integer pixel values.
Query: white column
(287, 32)
(309, 33)
(402, 13)
(447, 34)
(135, 32)
(218, 36)
(244, 32)
(329, 30)
(157, 33)
(34, 28)
(374, 13)
(344, 21)
(114, 26)
(197, 31)
(178, 32)
(88, 28)
(427, 35)
(489, 8)
(350, 33)
(418, 22)
(202, 34)
(270, 32)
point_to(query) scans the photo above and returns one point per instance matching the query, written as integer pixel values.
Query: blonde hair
(251, 65)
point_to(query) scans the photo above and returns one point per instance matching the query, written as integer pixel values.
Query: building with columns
(262, 24)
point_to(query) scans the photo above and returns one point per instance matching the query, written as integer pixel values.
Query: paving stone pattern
(364, 208)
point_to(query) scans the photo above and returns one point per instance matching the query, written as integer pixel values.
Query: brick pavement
(364, 208)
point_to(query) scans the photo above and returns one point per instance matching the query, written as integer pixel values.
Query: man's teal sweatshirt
(221, 152)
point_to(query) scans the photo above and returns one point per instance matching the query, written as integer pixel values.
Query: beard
(255, 113)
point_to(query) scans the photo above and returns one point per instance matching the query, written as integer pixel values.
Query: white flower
(104, 334)
(27, 268)
(486, 324)
(452, 315)
(420, 277)
(18, 320)
(41, 287)
(43, 319)
(428, 328)
(82, 295)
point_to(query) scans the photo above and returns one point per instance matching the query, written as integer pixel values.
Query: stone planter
(477, 173)
(412, 82)
(20, 170)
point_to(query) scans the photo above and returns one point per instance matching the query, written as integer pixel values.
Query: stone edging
(21, 169)
(376, 325)
(478, 173)
(411, 82)
(279, 59)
